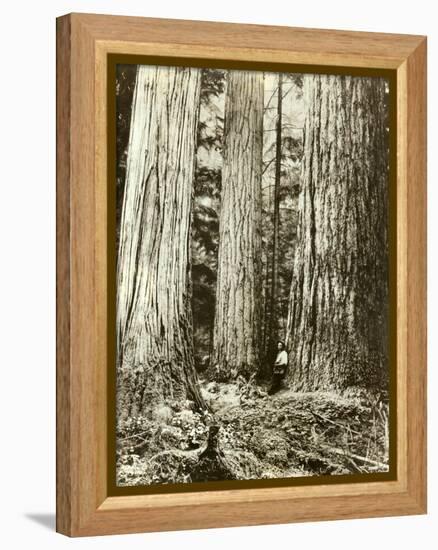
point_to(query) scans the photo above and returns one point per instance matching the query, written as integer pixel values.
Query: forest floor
(259, 436)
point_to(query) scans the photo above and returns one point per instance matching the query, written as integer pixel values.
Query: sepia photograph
(252, 275)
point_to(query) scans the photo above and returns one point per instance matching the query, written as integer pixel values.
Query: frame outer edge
(63, 277)
(77, 514)
(416, 155)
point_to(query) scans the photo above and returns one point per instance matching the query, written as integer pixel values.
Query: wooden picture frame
(84, 42)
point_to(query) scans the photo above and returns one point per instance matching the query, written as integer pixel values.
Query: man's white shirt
(281, 358)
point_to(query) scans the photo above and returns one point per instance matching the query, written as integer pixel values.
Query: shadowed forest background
(251, 208)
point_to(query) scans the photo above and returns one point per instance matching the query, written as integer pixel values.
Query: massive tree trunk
(338, 317)
(154, 320)
(237, 335)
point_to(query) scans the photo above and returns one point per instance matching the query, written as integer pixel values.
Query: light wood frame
(83, 504)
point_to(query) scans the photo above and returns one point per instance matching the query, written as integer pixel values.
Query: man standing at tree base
(279, 368)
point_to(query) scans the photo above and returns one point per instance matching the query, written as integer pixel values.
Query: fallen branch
(132, 436)
(355, 457)
(334, 423)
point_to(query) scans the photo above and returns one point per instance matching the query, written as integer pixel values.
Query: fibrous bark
(237, 333)
(154, 321)
(337, 333)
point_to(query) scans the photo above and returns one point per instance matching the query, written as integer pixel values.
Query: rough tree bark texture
(338, 317)
(154, 322)
(237, 335)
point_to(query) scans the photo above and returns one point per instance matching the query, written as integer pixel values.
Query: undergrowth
(260, 436)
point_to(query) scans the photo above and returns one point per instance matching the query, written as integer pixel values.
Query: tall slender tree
(273, 321)
(154, 320)
(338, 314)
(205, 226)
(237, 334)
